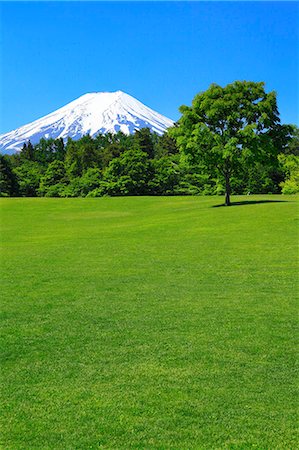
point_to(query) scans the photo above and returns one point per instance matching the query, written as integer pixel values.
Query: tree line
(229, 141)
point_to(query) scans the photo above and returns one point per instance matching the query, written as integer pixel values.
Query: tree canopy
(229, 129)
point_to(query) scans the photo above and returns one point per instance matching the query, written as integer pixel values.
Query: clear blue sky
(161, 53)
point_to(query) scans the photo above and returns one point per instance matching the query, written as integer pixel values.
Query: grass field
(149, 323)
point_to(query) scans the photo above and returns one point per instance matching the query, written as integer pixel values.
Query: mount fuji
(93, 113)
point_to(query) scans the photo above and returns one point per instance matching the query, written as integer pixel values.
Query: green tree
(290, 164)
(126, 141)
(129, 174)
(27, 152)
(55, 175)
(81, 155)
(89, 181)
(166, 176)
(195, 181)
(292, 147)
(109, 152)
(28, 176)
(229, 128)
(8, 180)
(48, 150)
(144, 142)
(165, 146)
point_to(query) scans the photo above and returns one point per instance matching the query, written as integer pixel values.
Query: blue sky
(161, 53)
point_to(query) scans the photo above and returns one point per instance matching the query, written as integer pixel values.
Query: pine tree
(144, 142)
(8, 181)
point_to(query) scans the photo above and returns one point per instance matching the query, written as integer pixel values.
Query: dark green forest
(216, 136)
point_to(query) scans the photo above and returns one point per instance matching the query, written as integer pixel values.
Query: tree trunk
(227, 190)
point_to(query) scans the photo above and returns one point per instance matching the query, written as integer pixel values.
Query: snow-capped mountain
(94, 113)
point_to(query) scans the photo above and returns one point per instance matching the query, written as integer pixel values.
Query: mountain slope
(94, 113)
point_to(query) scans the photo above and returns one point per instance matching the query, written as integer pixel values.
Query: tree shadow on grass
(250, 202)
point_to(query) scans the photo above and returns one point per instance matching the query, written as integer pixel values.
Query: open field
(149, 323)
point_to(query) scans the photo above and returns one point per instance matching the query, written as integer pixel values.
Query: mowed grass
(149, 323)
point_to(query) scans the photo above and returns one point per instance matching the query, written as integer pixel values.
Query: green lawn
(149, 323)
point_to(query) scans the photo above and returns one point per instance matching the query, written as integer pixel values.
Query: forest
(215, 137)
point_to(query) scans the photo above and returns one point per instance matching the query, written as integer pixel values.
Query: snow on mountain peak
(92, 113)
